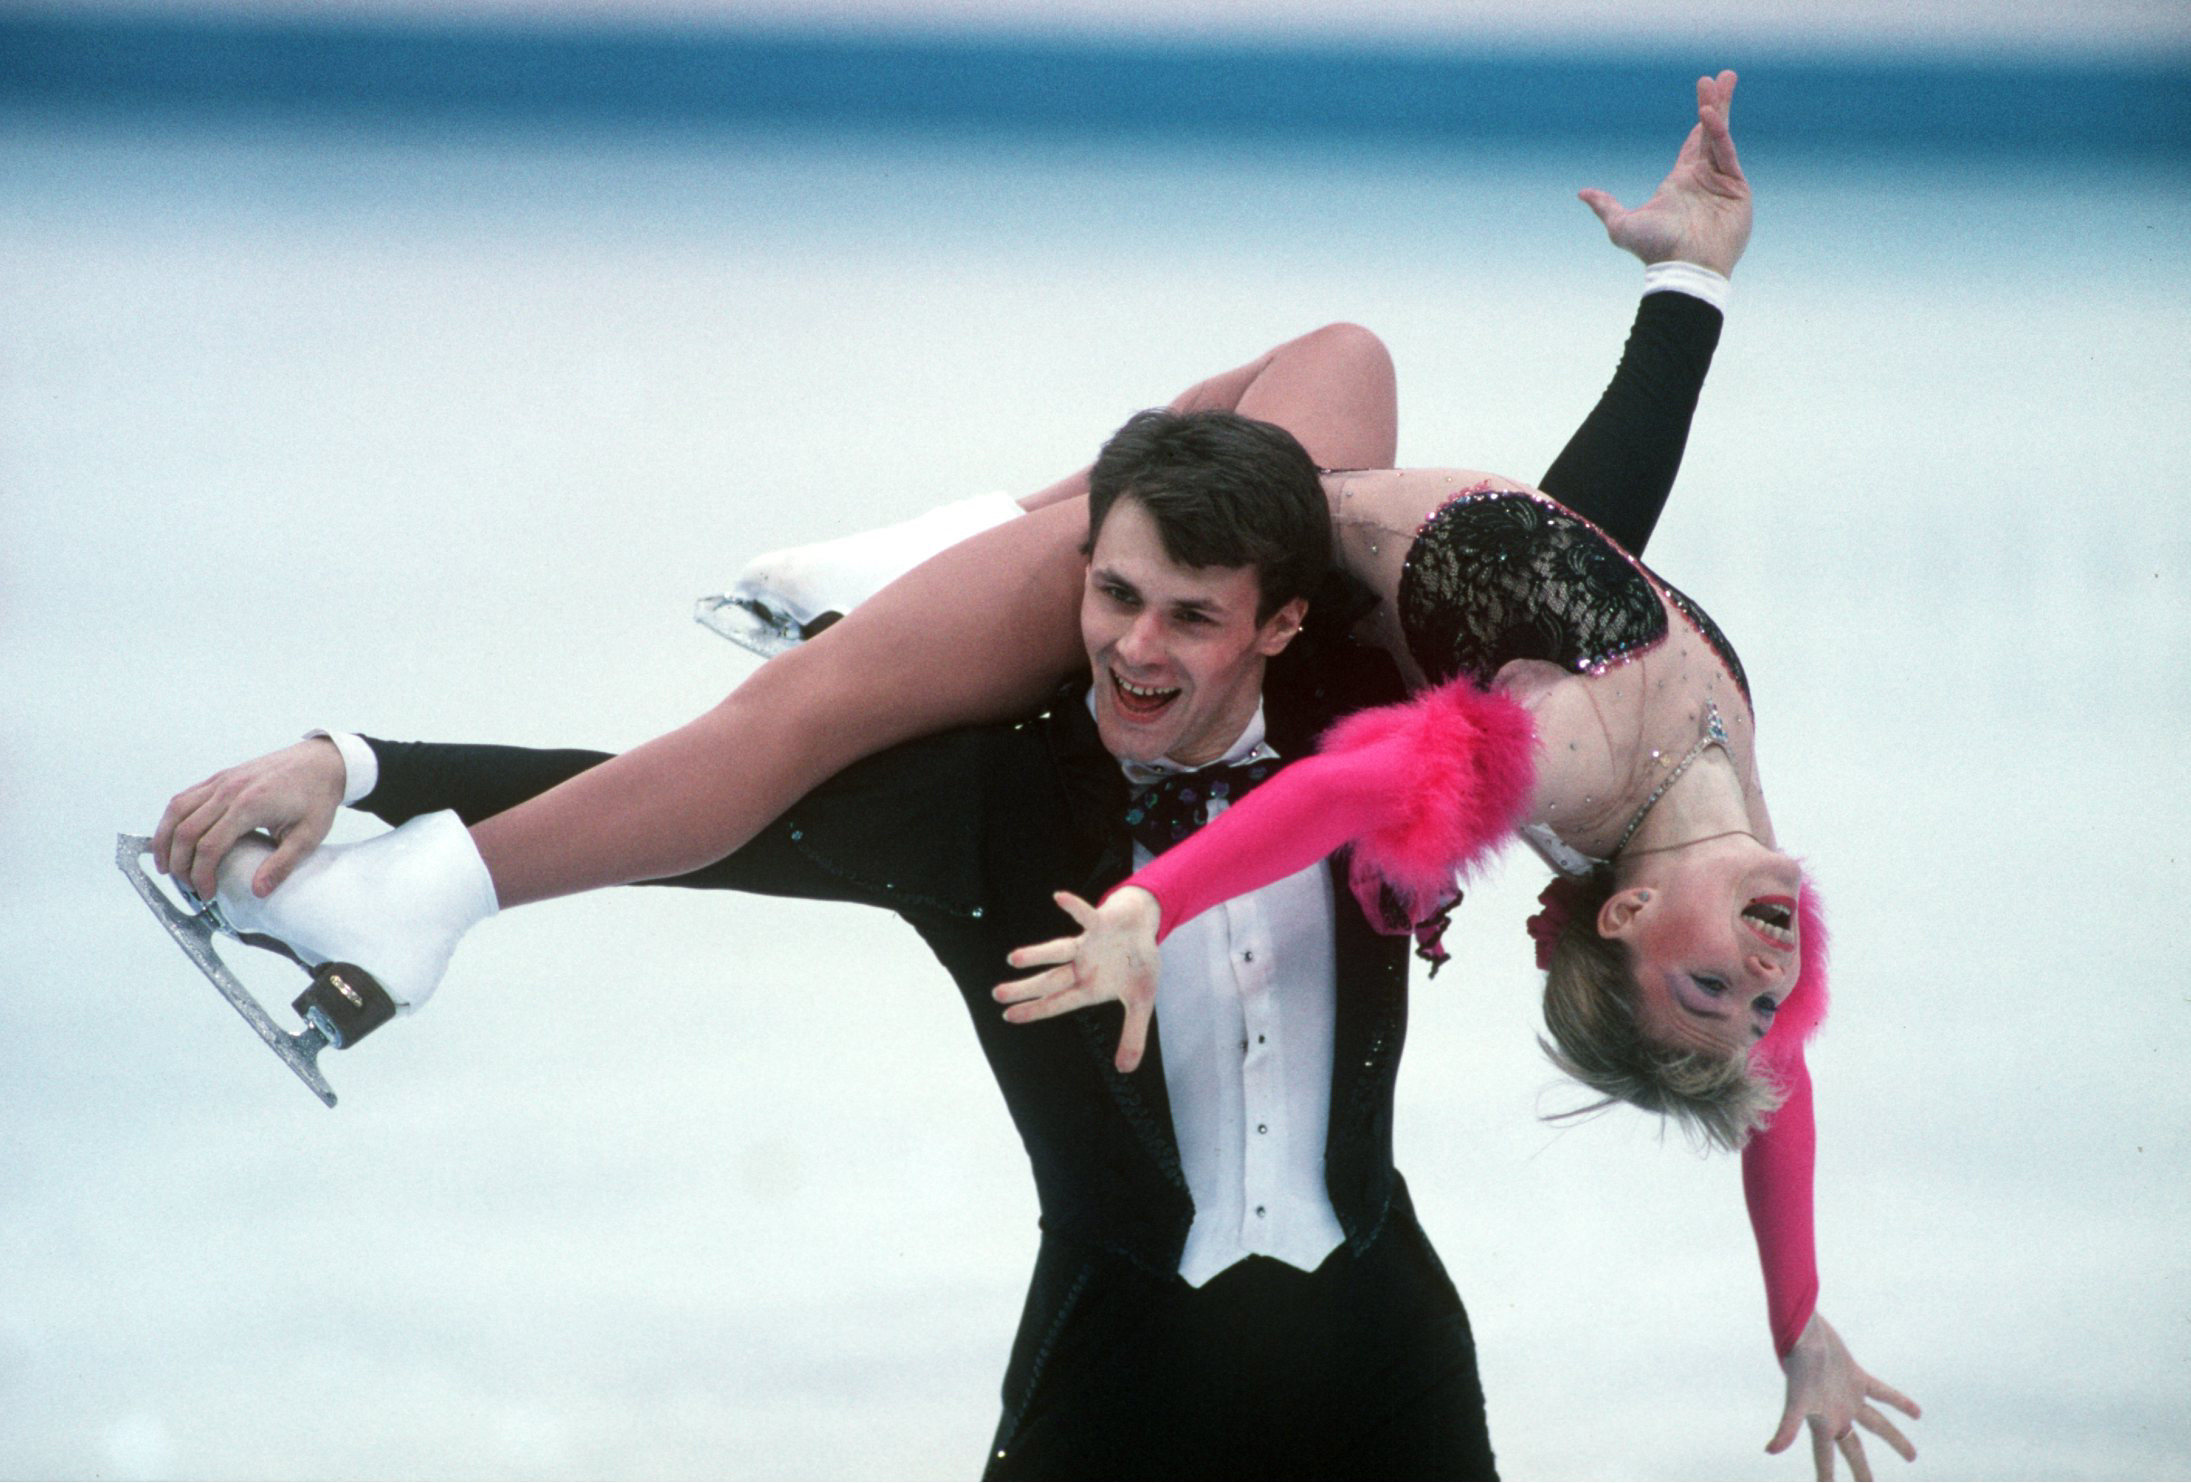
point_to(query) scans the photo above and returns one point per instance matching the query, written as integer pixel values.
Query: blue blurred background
(411, 367)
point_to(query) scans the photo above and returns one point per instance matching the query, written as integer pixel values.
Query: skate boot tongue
(394, 906)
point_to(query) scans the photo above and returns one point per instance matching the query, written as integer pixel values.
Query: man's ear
(1280, 627)
(1617, 918)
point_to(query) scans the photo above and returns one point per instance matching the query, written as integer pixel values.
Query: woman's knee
(1350, 348)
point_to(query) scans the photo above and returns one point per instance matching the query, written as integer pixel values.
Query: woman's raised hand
(1828, 1388)
(1700, 212)
(1113, 957)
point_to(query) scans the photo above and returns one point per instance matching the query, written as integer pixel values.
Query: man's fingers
(1880, 1390)
(1879, 1426)
(1821, 1452)
(213, 847)
(295, 845)
(180, 807)
(184, 844)
(1791, 1422)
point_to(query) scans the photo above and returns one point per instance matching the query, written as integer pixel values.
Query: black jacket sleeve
(896, 830)
(1618, 468)
(477, 781)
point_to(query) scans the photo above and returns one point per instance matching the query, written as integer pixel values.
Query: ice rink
(437, 434)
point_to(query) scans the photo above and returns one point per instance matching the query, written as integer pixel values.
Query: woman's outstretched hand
(1828, 1388)
(1700, 212)
(1113, 957)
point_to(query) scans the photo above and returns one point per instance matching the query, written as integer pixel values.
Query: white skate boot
(374, 923)
(786, 597)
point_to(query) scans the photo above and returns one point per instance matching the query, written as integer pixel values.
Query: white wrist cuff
(1696, 281)
(360, 768)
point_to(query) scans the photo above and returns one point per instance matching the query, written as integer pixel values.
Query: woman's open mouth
(1772, 918)
(1139, 702)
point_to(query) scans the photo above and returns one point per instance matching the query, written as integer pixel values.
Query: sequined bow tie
(1164, 812)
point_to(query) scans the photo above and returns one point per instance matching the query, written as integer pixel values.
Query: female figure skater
(1639, 705)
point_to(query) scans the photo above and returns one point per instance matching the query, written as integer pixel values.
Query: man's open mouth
(1139, 702)
(1772, 918)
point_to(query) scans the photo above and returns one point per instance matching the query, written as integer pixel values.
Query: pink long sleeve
(1423, 790)
(1776, 1182)
(1778, 1164)
(1288, 824)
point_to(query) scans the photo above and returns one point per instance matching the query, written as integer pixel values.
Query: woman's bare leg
(982, 632)
(1332, 388)
(978, 633)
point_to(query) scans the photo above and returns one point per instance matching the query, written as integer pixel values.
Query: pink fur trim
(1805, 1008)
(1463, 764)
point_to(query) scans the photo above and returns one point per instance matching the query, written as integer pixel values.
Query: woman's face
(1711, 936)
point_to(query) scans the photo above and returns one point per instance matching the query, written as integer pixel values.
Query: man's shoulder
(1042, 773)
(1056, 734)
(1320, 678)
(973, 824)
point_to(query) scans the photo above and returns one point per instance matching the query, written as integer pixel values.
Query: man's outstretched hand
(1829, 1389)
(1700, 212)
(1113, 957)
(291, 794)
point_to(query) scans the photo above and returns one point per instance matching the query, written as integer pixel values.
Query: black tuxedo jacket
(965, 836)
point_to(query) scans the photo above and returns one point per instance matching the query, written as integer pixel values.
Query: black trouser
(1364, 1368)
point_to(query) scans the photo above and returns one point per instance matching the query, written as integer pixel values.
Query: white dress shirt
(1245, 997)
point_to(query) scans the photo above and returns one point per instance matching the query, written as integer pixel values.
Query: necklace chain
(1660, 849)
(1715, 735)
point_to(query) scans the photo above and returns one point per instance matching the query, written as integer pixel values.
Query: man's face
(1176, 652)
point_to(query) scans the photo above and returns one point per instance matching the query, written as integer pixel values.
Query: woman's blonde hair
(1590, 1010)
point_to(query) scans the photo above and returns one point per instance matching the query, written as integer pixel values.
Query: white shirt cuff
(1691, 279)
(360, 768)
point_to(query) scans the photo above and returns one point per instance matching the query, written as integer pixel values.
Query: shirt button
(1260, 1039)
(1248, 956)
(1259, 1212)
(1262, 1127)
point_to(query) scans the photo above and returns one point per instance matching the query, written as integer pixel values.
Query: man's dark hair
(1225, 491)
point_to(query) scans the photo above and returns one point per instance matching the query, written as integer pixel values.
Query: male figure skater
(1231, 1279)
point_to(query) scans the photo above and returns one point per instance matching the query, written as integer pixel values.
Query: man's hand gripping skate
(290, 795)
(373, 923)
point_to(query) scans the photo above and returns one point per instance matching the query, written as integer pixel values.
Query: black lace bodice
(1495, 576)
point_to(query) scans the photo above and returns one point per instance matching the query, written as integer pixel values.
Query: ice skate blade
(194, 935)
(748, 623)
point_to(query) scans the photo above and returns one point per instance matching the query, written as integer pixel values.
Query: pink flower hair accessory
(1558, 902)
